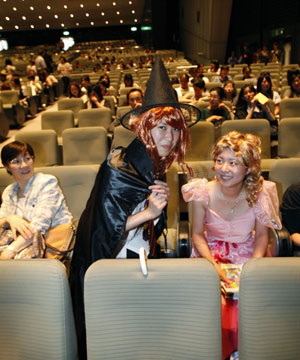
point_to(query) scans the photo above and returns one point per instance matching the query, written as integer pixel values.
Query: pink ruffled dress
(232, 241)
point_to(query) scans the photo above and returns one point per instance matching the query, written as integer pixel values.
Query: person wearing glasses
(34, 202)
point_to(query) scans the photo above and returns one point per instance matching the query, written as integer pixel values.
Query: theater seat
(44, 144)
(174, 313)
(202, 140)
(269, 309)
(94, 117)
(82, 146)
(36, 311)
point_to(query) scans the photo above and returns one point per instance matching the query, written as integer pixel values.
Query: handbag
(60, 241)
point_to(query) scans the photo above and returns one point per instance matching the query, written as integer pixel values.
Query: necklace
(232, 204)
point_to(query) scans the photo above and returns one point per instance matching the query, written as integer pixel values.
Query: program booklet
(233, 272)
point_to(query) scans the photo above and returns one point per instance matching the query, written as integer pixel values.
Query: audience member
(248, 107)
(223, 77)
(293, 77)
(33, 203)
(230, 93)
(128, 82)
(95, 98)
(40, 62)
(276, 54)
(184, 91)
(214, 67)
(264, 56)
(264, 85)
(227, 210)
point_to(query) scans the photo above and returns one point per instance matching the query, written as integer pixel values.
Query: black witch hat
(159, 92)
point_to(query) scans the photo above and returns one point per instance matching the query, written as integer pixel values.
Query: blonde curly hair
(247, 149)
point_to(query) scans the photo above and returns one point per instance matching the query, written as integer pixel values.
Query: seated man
(184, 91)
(223, 77)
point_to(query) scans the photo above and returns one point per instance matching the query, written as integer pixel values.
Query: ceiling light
(87, 14)
(56, 16)
(135, 20)
(49, 7)
(102, 13)
(118, 12)
(62, 24)
(66, 33)
(65, 6)
(71, 15)
(121, 21)
(14, 8)
(16, 27)
(32, 26)
(31, 8)
(81, 5)
(77, 24)
(1, 28)
(23, 17)
(7, 18)
(47, 25)
(106, 22)
(98, 4)
(114, 4)
(92, 23)
(40, 17)
(133, 12)
(130, 2)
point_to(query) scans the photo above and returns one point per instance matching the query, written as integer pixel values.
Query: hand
(214, 118)
(21, 226)
(7, 254)
(94, 99)
(158, 198)
(161, 187)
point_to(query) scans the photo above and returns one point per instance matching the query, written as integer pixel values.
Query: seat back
(122, 137)
(284, 172)
(73, 104)
(83, 146)
(9, 97)
(173, 313)
(269, 309)
(94, 117)
(36, 311)
(259, 127)
(111, 101)
(288, 137)
(202, 140)
(44, 144)
(57, 120)
(289, 108)
(76, 182)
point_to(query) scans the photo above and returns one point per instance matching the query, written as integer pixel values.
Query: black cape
(121, 184)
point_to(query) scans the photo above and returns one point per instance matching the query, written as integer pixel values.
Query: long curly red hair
(173, 117)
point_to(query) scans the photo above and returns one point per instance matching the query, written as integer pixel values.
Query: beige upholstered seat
(269, 309)
(111, 101)
(73, 104)
(36, 311)
(122, 137)
(202, 140)
(57, 120)
(95, 117)
(174, 313)
(14, 112)
(288, 137)
(44, 144)
(285, 172)
(76, 182)
(289, 108)
(82, 146)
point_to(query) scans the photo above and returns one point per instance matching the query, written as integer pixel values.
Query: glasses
(18, 161)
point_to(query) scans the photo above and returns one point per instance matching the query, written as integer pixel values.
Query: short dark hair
(225, 67)
(199, 83)
(86, 78)
(131, 91)
(14, 149)
(219, 90)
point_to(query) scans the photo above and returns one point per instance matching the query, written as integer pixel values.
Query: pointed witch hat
(159, 92)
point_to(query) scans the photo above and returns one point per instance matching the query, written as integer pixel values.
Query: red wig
(173, 117)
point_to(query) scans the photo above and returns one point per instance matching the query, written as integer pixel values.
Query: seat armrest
(280, 243)
(183, 240)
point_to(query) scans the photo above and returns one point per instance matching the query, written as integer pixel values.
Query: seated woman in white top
(33, 203)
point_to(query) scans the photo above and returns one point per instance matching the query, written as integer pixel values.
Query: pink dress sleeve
(195, 190)
(267, 206)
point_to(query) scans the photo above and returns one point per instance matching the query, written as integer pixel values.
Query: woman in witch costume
(127, 207)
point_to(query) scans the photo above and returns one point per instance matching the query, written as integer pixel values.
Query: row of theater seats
(173, 313)
(77, 182)
(93, 138)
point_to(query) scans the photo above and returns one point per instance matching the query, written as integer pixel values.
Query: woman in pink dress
(232, 214)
